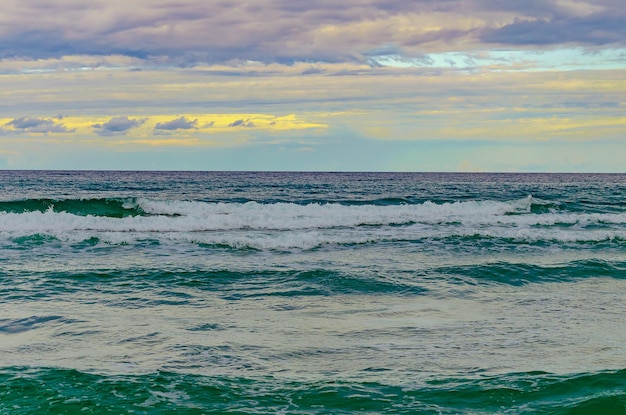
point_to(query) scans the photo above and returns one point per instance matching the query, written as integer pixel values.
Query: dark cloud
(117, 125)
(178, 124)
(242, 123)
(35, 125)
(593, 30)
(183, 33)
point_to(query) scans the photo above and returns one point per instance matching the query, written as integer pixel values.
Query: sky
(314, 85)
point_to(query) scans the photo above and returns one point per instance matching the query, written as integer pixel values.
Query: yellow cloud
(198, 123)
(160, 130)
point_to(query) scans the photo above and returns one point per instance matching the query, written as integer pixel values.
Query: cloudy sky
(365, 85)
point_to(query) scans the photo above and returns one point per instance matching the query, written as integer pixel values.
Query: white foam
(288, 225)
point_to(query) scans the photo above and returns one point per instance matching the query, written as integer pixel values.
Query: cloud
(35, 125)
(117, 126)
(592, 30)
(242, 123)
(180, 123)
(182, 33)
(312, 71)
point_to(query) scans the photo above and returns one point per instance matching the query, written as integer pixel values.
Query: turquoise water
(312, 293)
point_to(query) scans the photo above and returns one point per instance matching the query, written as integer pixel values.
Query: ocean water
(312, 293)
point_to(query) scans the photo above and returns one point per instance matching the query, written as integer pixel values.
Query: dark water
(312, 293)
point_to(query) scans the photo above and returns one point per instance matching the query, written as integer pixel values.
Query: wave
(129, 206)
(282, 215)
(188, 287)
(12, 326)
(293, 226)
(40, 390)
(107, 207)
(518, 274)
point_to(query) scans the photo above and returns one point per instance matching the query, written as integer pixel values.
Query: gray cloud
(594, 30)
(242, 123)
(183, 33)
(312, 71)
(35, 125)
(117, 126)
(180, 123)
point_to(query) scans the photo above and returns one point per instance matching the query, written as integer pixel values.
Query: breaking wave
(301, 226)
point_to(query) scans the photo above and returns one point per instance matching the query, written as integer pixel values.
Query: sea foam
(290, 225)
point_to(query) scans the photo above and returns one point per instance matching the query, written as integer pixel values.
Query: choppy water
(312, 293)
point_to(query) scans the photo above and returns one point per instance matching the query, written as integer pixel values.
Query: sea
(312, 293)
